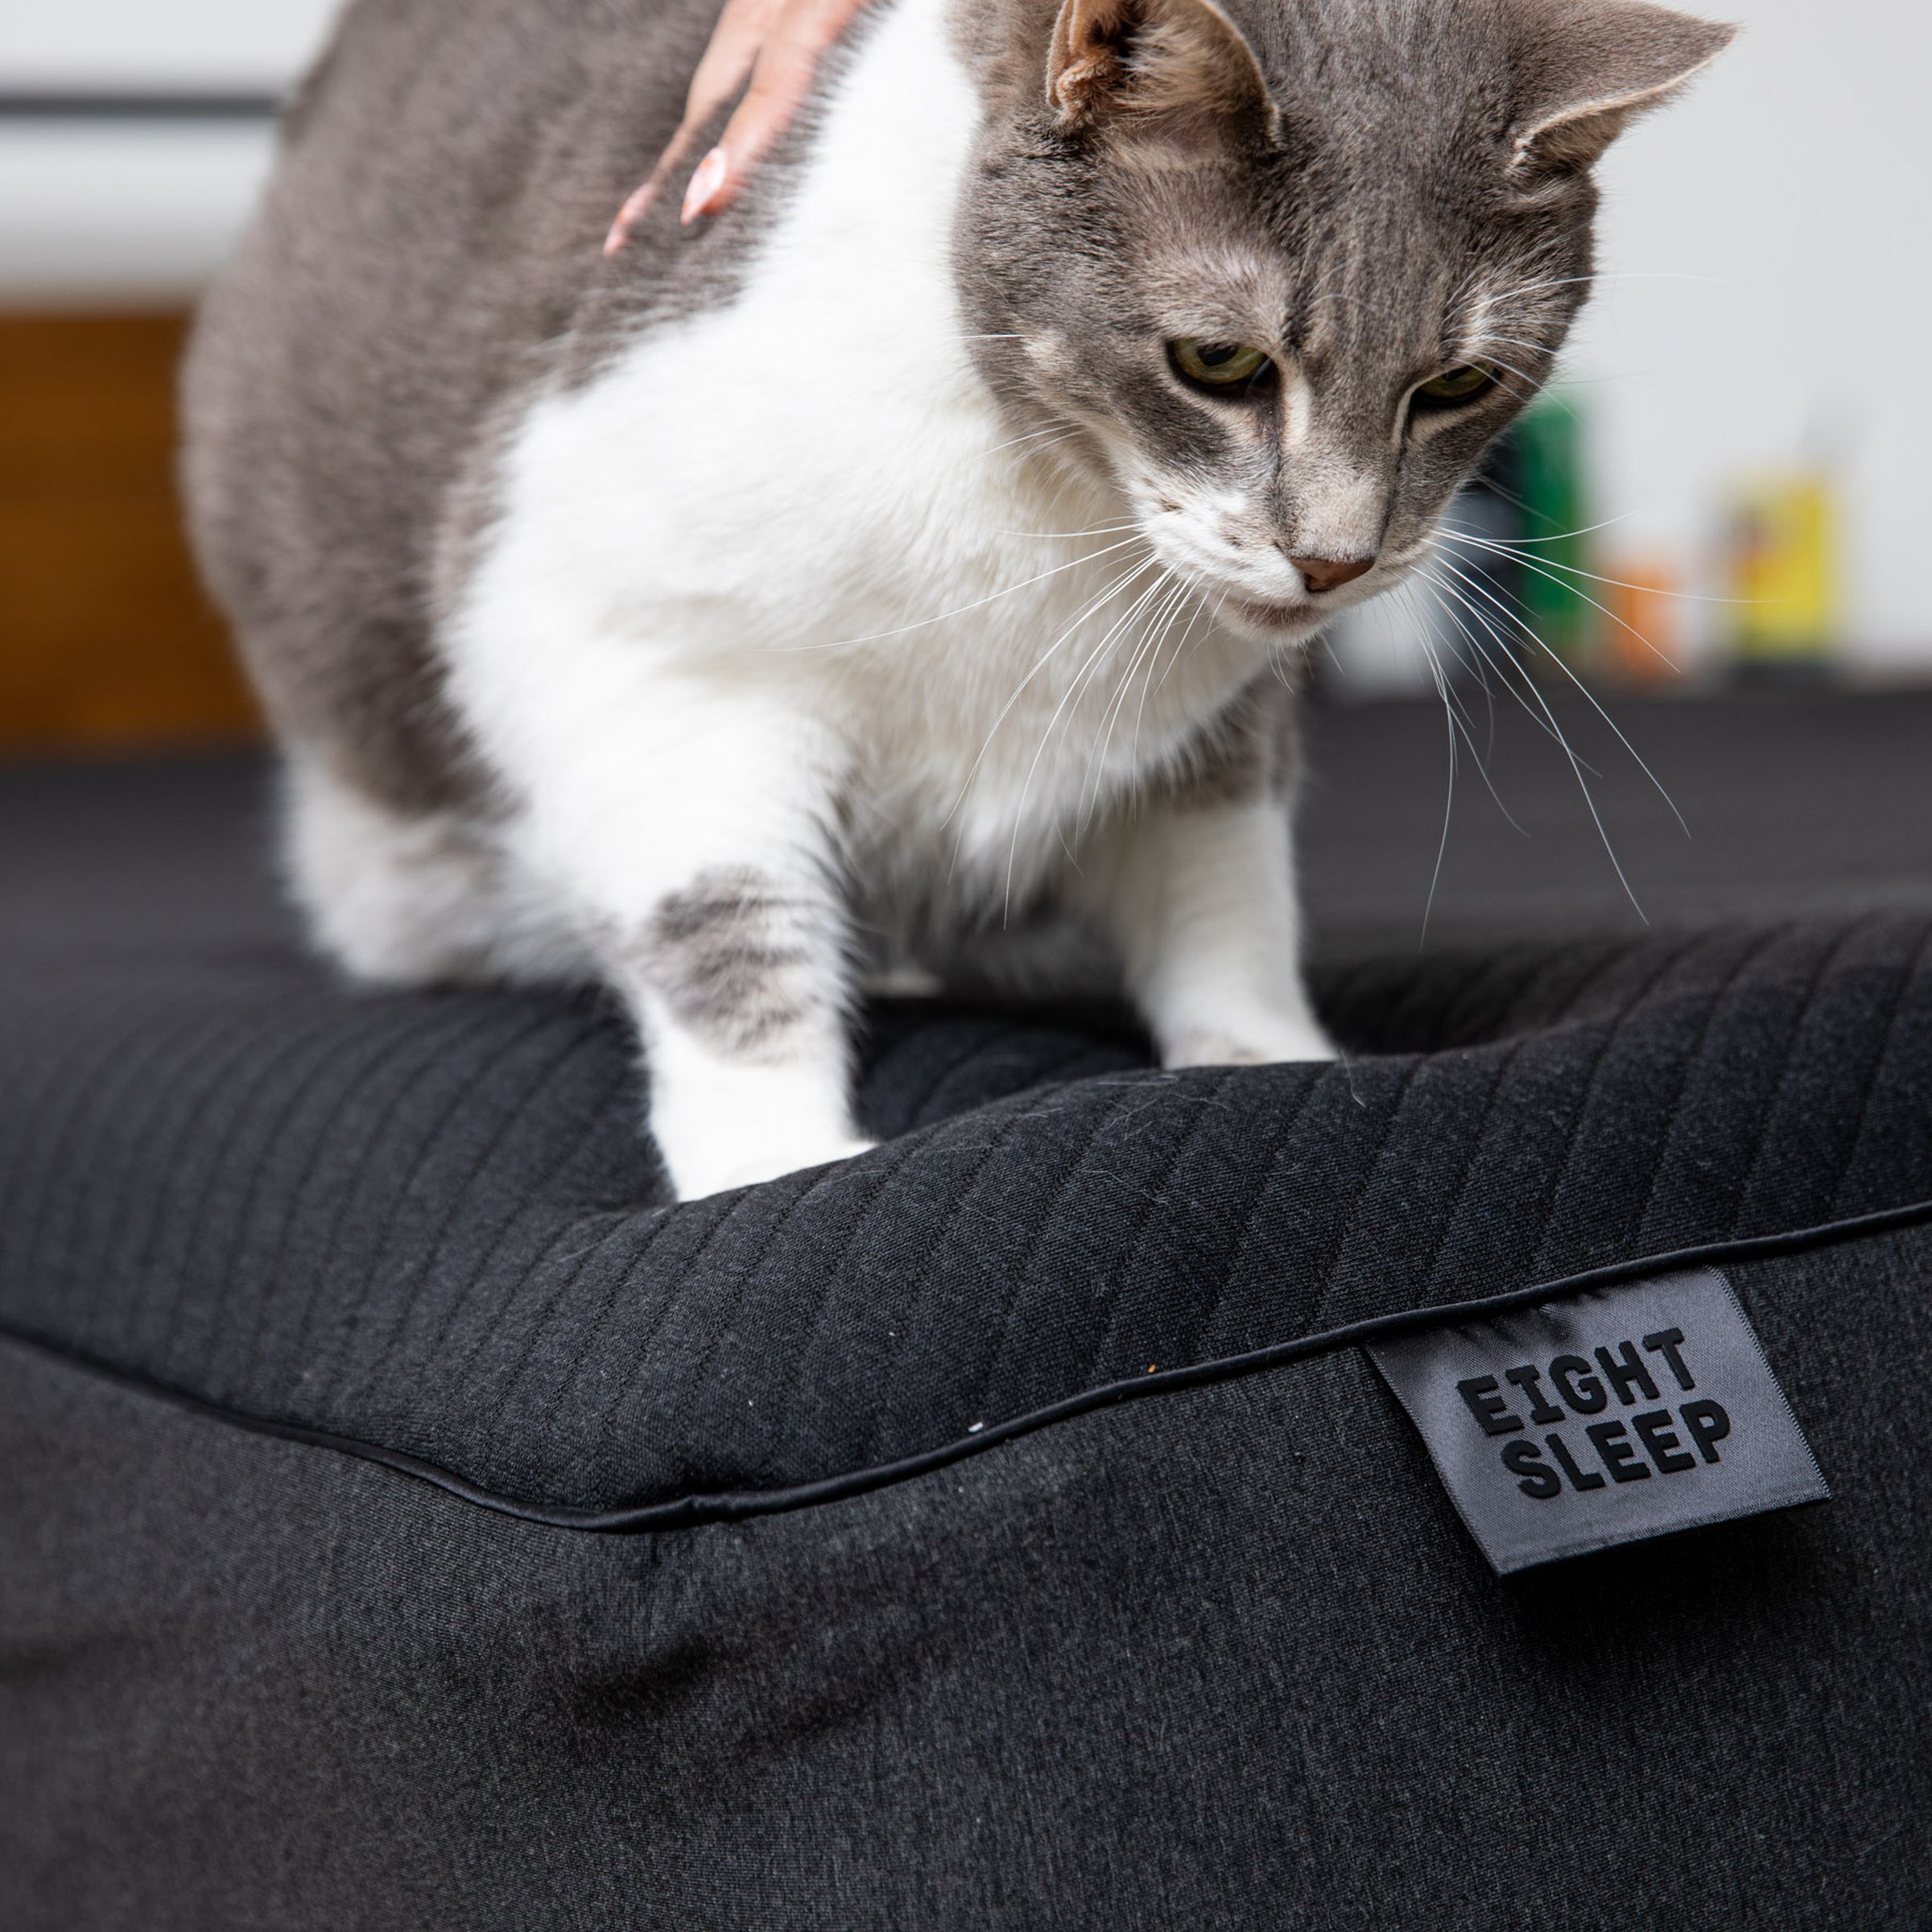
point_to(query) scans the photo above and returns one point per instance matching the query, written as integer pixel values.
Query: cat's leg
(693, 832)
(415, 898)
(1197, 895)
(735, 977)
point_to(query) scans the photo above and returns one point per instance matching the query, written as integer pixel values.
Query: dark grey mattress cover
(427, 1224)
(1222, 1658)
(1225, 1660)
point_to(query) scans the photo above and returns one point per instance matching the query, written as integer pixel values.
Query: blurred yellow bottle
(1783, 570)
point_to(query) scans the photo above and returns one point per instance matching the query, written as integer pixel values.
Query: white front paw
(713, 1166)
(1253, 1040)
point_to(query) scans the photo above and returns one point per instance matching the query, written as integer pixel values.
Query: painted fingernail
(704, 184)
(627, 219)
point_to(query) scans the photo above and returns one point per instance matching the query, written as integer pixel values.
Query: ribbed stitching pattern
(430, 1221)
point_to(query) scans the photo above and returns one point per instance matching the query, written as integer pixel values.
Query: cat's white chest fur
(808, 498)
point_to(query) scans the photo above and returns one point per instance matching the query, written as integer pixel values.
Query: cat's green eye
(1462, 384)
(1217, 364)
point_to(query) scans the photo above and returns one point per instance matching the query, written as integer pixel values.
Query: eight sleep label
(1602, 1417)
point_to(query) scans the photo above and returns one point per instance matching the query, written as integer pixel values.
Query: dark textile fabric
(1225, 1659)
(1221, 1654)
(430, 1221)
(427, 1221)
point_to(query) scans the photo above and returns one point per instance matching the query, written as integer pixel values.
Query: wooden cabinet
(107, 640)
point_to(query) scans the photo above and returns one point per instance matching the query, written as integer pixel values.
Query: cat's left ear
(1176, 63)
(1586, 68)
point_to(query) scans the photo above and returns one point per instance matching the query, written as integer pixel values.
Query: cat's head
(1285, 278)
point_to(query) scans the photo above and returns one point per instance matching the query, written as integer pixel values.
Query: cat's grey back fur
(430, 244)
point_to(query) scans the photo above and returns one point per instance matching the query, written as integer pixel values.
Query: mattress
(417, 1518)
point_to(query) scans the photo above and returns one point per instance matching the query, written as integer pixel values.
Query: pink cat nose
(1331, 573)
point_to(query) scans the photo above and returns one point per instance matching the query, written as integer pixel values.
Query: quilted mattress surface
(408, 1518)
(426, 1225)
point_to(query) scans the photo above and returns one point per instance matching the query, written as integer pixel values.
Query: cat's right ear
(1176, 66)
(1585, 69)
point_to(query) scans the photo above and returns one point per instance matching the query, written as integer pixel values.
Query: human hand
(776, 43)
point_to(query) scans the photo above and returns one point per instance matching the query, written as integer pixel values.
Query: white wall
(122, 215)
(137, 43)
(130, 213)
(1795, 178)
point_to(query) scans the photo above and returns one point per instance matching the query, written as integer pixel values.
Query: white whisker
(1562, 536)
(979, 603)
(1113, 587)
(1543, 566)
(1147, 683)
(1099, 530)
(1507, 659)
(1589, 798)
(1530, 632)
(1442, 844)
(1061, 432)
(1073, 691)
(1155, 633)
(1469, 735)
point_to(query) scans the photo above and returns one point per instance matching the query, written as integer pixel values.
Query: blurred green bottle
(1548, 455)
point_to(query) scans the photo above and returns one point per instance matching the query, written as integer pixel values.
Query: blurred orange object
(1642, 641)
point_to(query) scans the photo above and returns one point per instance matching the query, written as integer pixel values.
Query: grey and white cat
(904, 561)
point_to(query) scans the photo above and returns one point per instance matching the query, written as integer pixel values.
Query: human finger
(741, 30)
(782, 78)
